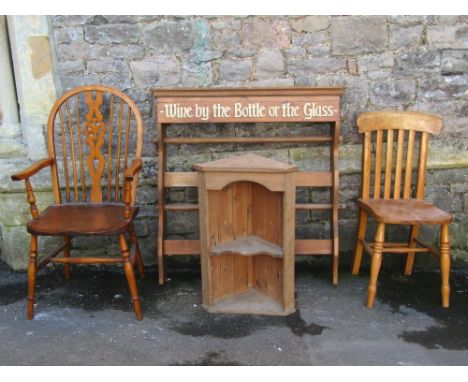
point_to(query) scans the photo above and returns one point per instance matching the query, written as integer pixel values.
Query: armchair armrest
(134, 168)
(33, 169)
(129, 174)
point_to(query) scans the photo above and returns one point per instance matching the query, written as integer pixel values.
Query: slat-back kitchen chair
(391, 200)
(94, 141)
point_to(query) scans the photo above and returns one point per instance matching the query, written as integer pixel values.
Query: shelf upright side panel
(335, 199)
(205, 233)
(161, 203)
(288, 221)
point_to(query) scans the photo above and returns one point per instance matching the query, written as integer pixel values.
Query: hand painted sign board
(217, 106)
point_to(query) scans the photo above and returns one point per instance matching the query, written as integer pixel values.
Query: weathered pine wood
(216, 140)
(247, 246)
(402, 208)
(399, 165)
(388, 164)
(245, 219)
(227, 96)
(378, 165)
(335, 201)
(161, 198)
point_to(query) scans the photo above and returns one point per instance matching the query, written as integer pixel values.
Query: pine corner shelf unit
(305, 105)
(247, 235)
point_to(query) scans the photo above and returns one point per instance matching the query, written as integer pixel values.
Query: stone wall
(385, 62)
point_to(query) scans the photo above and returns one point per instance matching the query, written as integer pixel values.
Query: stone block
(15, 247)
(313, 66)
(235, 70)
(392, 92)
(369, 63)
(406, 21)
(179, 35)
(68, 35)
(270, 63)
(14, 207)
(405, 38)
(447, 36)
(70, 21)
(226, 39)
(157, 71)
(122, 51)
(71, 67)
(273, 82)
(78, 51)
(433, 88)
(294, 52)
(266, 33)
(417, 60)
(358, 34)
(311, 40)
(196, 75)
(107, 65)
(112, 34)
(12, 148)
(454, 62)
(310, 23)
(226, 23)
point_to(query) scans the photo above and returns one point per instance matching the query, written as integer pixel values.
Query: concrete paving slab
(88, 320)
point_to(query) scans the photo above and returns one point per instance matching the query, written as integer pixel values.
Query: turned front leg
(128, 268)
(375, 264)
(32, 271)
(445, 264)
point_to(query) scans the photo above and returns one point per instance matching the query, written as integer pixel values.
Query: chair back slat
(64, 153)
(378, 152)
(399, 164)
(109, 147)
(72, 146)
(80, 149)
(119, 147)
(388, 164)
(409, 165)
(94, 133)
(378, 164)
(422, 166)
(366, 165)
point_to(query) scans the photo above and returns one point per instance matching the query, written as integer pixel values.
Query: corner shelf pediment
(248, 246)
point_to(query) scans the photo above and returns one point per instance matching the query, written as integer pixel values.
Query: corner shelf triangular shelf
(248, 246)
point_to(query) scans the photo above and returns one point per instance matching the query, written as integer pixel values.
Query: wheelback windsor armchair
(399, 206)
(94, 139)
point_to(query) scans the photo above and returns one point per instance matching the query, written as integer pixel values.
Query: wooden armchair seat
(399, 211)
(82, 219)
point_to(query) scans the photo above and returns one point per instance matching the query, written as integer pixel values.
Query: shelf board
(212, 140)
(250, 301)
(247, 246)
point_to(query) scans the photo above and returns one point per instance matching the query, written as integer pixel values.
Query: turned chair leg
(445, 264)
(128, 268)
(66, 254)
(361, 234)
(375, 264)
(32, 271)
(411, 243)
(139, 260)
